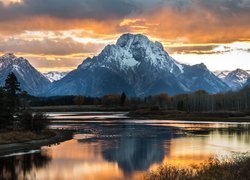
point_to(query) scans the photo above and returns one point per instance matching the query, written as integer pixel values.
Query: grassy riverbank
(14, 142)
(237, 168)
(161, 114)
(24, 136)
(83, 108)
(141, 112)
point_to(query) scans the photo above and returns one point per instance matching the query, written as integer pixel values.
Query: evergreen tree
(12, 86)
(4, 115)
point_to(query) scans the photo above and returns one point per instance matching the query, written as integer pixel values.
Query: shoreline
(10, 148)
(193, 116)
(194, 119)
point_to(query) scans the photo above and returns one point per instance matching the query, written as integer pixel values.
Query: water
(110, 146)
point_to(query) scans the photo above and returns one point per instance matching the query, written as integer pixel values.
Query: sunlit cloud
(188, 29)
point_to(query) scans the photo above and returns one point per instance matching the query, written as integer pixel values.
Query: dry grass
(20, 136)
(236, 168)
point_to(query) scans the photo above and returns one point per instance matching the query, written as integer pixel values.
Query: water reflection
(125, 149)
(19, 167)
(135, 154)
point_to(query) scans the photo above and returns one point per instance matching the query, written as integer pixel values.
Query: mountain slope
(30, 79)
(198, 77)
(138, 67)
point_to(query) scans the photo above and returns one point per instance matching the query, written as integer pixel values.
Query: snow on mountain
(54, 75)
(30, 79)
(139, 67)
(221, 74)
(237, 79)
(234, 79)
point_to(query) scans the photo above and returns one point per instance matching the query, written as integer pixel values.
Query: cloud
(56, 46)
(206, 49)
(76, 9)
(184, 26)
(188, 21)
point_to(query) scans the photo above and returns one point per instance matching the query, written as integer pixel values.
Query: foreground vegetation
(230, 169)
(17, 121)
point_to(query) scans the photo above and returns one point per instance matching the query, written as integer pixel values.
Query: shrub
(40, 122)
(33, 122)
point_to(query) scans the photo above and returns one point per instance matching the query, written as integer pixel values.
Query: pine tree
(4, 115)
(12, 86)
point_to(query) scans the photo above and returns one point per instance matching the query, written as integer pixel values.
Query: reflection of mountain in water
(133, 154)
(18, 167)
(134, 147)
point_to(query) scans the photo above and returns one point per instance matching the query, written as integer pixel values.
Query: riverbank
(194, 116)
(153, 113)
(83, 108)
(9, 145)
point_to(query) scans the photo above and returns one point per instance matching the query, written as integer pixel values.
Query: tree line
(199, 101)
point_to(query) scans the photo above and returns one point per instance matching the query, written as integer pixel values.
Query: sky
(60, 34)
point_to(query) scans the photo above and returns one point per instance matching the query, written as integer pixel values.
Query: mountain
(221, 74)
(247, 83)
(30, 79)
(54, 75)
(139, 67)
(235, 79)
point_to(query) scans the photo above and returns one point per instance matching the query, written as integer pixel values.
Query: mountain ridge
(235, 79)
(139, 67)
(30, 79)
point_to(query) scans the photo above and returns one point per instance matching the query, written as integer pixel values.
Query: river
(111, 146)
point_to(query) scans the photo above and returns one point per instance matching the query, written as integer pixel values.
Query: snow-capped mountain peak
(237, 79)
(131, 51)
(30, 79)
(139, 67)
(234, 79)
(54, 75)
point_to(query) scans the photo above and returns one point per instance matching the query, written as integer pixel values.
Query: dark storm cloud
(108, 9)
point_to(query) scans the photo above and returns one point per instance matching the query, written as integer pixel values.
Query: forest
(199, 101)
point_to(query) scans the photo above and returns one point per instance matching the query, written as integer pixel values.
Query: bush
(26, 120)
(33, 122)
(40, 122)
